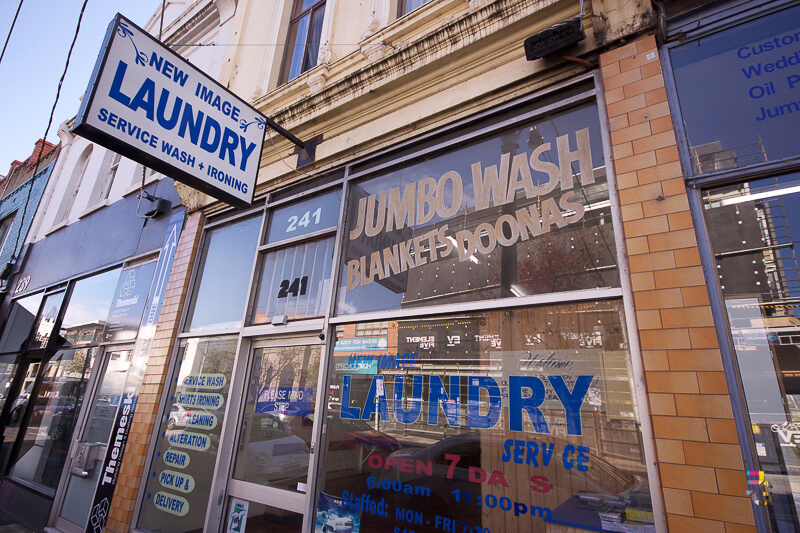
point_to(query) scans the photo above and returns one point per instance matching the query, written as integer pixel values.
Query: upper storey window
(302, 44)
(407, 6)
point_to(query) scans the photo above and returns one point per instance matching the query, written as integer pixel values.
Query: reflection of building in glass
(458, 375)
(88, 333)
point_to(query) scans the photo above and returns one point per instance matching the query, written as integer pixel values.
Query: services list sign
(149, 104)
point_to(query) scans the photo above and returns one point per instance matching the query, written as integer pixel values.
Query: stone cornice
(456, 33)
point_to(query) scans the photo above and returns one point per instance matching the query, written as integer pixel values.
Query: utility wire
(10, 30)
(49, 123)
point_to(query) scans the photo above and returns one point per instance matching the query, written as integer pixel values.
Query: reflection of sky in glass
(226, 273)
(91, 299)
(714, 89)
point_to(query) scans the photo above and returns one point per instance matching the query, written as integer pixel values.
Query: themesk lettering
(114, 459)
(526, 394)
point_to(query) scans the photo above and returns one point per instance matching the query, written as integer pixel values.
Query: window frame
(289, 49)
(554, 98)
(683, 29)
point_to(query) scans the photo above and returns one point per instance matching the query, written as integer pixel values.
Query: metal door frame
(92, 388)
(223, 485)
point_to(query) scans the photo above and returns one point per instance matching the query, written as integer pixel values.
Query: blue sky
(34, 61)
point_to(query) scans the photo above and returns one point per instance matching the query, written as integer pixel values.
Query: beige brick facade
(699, 457)
(145, 424)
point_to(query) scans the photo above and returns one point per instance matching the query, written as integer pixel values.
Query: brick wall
(699, 459)
(144, 421)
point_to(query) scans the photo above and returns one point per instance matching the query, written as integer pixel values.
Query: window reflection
(522, 212)
(20, 322)
(743, 68)
(43, 448)
(224, 275)
(87, 310)
(457, 417)
(46, 321)
(279, 417)
(753, 228)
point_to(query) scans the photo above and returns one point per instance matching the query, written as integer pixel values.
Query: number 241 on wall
(297, 287)
(305, 220)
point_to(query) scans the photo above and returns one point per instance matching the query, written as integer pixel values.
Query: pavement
(8, 525)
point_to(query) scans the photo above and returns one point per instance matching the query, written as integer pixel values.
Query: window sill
(94, 208)
(56, 228)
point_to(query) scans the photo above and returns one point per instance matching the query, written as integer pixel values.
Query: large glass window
(20, 321)
(739, 92)
(224, 276)
(482, 420)
(179, 485)
(305, 30)
(754, 227)
(522, 211)
(42, 451)
(85, 316)
(46, 321)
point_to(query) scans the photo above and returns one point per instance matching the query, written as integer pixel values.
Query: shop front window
(20, 321)
(87, 310)
(520, 212)
(296, 261)
(754, 227)
(42, 451)
(225, 272)
(494, 421)
(750, 69)
(179, 486)
(46, 321)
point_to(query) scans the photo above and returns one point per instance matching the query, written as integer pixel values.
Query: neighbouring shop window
(278, 417)
(519, 212)
(302, 43)
(46, 321)
(179, 485)
(754, 227)
(739, 92)
(509, 420)
(224, 276)
(87, 310)
(8, 368)
(42, 451)
(20, 321)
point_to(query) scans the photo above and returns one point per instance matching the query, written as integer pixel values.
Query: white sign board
(151, 105)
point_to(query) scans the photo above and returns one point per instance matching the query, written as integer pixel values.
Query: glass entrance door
(50, 410)
(90, 450)
(269, 483)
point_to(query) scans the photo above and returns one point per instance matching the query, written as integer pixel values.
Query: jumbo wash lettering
(496, 183)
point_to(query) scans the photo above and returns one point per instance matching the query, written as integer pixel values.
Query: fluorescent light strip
(759, 196)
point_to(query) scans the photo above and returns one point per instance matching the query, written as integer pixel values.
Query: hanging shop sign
(151, 105)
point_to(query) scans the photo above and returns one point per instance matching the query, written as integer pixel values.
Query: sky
(34, 61)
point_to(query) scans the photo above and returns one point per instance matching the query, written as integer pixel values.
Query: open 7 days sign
(149, 104)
